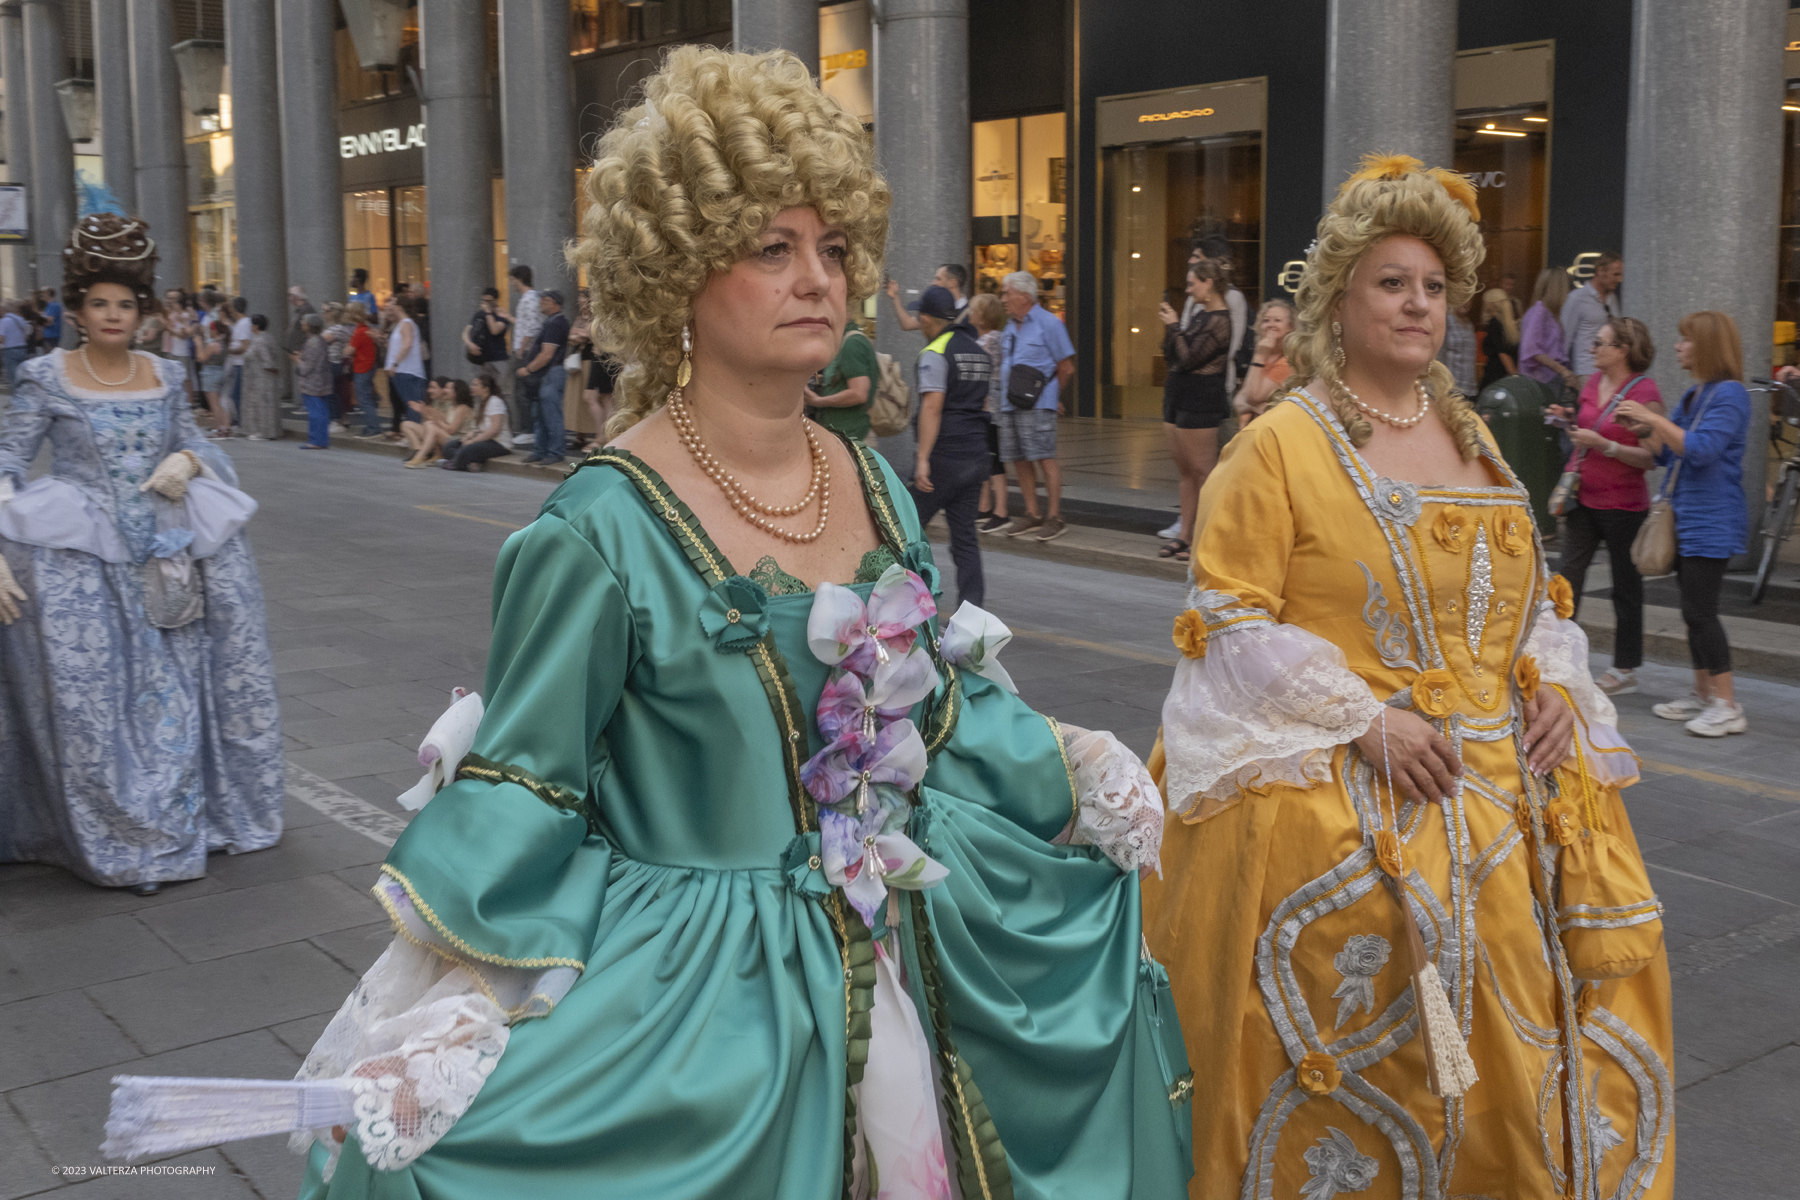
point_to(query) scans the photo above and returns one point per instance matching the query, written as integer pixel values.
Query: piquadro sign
(382, 141)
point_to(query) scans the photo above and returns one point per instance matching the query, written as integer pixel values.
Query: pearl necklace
(129, 375)
(742, 502)
(1379, 415)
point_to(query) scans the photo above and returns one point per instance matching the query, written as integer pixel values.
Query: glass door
(1020, 208)
(1157, 202)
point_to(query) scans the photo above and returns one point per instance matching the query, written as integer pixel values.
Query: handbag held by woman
(1653, 550)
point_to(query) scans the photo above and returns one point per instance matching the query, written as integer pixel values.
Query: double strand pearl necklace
(742, 502)
(1379, 415)
(89, 368)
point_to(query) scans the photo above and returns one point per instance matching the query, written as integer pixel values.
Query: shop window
(1502, 147)
(1158, 201)
(368, 239)
(412, 256)
(356, 85)
(601, 24)
(212, 241)
(1787, 263)
(500, 263)
(1019, 205)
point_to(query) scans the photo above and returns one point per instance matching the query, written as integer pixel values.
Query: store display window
(368, 238)
(1020, 207)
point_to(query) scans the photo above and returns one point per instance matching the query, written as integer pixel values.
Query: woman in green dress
(753, 883)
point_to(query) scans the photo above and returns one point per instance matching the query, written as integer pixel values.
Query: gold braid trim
(474, 969)
(486, 770)
(443, 930)
(1062, 749)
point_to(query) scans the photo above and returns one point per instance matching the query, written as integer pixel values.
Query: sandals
(1174, 548)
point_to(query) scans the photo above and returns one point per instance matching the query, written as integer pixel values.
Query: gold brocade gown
(1282, 933)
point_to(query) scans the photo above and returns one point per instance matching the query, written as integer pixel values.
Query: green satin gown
(658, 834)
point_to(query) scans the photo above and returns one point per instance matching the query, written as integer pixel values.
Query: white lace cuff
(1262, 703)
(1561, 650)
(1118, 807)
(414, 1042)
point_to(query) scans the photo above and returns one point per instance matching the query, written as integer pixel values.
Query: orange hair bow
(1393, 166)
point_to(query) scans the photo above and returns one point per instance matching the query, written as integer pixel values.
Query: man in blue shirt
(53, 315)
(1037, 360)
(360, 293)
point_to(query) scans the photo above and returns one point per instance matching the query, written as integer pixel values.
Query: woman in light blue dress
(139, 727)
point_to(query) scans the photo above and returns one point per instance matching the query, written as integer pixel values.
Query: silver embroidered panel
(1481, 591)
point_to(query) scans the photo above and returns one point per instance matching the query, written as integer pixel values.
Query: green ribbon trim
(486, 770)
(981, 1167)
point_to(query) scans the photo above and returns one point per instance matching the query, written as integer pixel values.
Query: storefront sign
(1209, 111)
(382, 141)
(14, 225)
(845, 71)
(381, 144)
(1291, 272)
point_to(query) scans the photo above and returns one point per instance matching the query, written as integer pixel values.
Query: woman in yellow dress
(1381, 696)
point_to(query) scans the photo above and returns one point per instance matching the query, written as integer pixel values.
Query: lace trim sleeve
(1254, 703)
(1117, 805)
(1561, 649)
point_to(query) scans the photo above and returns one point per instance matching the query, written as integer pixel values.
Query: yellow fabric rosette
(1318, 1073)
(1434, 692)
(1512, 531)
(1449, 528)
(1525, 674)
(1387, 852)
(1563, 596)
(1190, 634)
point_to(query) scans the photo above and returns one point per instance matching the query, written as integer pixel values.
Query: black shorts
(1195, 401)
(603, 373)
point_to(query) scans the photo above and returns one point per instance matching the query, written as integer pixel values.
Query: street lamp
(201, 62)
(376, 27)
(77, 97)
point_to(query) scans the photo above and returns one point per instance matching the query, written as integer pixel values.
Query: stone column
(256, 160)
(18, 133)
(537, 115)
(52, 156)
(459, 193)
(1389, 71)
(1703, 186)
(309, 148)
(161, 153)
(778, 25)
(922, 143)
(112, 100)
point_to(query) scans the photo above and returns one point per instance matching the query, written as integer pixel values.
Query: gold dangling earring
(1337, 345)
(685, 371)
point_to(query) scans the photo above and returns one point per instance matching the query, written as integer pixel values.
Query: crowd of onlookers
(33, 325)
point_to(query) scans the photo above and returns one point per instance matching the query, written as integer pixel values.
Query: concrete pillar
(52, 156)
(778, 25)
(18, 133)
(459, 193)
(1389, 75)
(112, 99)
(161, 152)
(262, 251)
(1703, 185)
(537, 114)
(309, 148)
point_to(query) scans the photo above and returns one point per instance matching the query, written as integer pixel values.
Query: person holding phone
(1194, 398)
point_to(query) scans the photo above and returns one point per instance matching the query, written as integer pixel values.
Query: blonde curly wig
(1391, 194)
(684, 183)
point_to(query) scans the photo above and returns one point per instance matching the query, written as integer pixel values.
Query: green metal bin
(1513, 408)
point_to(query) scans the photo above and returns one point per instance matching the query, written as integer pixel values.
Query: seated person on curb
(486, 442)
(444, 415)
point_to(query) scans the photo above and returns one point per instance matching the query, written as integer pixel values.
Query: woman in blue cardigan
(1706, 435)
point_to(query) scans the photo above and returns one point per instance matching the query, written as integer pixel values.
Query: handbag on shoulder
(1654, 549)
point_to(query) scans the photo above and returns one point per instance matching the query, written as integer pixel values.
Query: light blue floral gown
(127, 752)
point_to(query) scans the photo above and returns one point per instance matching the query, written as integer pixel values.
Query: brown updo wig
(109, 248)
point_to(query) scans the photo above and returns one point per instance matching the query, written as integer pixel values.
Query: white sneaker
(1173, 531)
(1718, 720)
(1685, 709)
(336, 427)
(1617, 683)
(524, 439)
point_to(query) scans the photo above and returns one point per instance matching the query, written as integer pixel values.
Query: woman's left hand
(1549, 726)
(170, 479)
(1165, 314)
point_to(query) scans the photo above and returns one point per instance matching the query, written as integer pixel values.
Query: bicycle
(1778, 519)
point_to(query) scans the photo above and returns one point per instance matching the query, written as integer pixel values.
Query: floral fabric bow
(843, 631)
(973, 640)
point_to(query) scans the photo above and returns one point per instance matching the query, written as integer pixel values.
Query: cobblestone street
(378, 581)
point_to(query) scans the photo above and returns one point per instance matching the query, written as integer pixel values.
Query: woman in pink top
(1613, 499)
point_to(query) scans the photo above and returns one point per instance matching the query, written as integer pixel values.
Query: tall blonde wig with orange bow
(1392, 194)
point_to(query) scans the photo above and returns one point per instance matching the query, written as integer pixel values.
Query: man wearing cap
(953, 374)
(1037, 360)
(545, 367)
